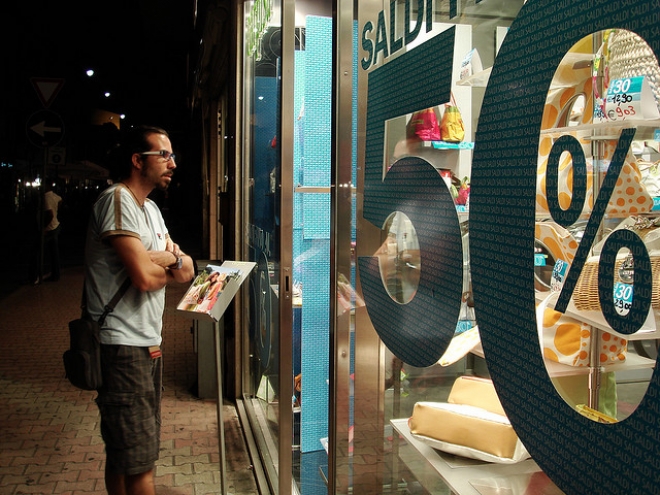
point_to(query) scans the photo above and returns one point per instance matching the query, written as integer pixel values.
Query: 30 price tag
(623, 298)
(630, 99)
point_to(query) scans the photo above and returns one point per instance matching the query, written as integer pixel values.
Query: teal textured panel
(315, 246)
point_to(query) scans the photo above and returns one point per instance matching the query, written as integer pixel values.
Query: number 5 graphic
(420, 331)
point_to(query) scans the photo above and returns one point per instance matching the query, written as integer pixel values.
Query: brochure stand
(207, 300)
(213, 289)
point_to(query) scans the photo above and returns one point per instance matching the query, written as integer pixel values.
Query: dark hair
(133, 140)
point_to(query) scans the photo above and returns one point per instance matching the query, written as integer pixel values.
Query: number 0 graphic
(579, 455)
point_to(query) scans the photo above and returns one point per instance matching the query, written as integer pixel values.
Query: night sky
(138, 49)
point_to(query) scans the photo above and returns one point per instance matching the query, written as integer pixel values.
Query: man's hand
(173, 248)
(163, 258)
(168, 257)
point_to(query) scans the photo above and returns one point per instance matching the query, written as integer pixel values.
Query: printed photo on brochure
(207, 288)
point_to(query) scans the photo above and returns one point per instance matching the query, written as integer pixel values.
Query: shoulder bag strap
(113, 302)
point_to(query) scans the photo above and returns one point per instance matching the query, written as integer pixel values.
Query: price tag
(599, 114)
(623, 298)
(463, 326)
(540, 259)
(471, 64)
(630, 99)
(558, 275)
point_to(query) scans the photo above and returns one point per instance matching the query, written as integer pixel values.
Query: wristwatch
(177, 264)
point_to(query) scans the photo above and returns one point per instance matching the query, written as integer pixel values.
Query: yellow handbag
(451, 126)
(567, 340)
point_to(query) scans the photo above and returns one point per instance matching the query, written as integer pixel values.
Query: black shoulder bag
(82, 361)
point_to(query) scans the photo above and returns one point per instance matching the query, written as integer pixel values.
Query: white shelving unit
(462, 476)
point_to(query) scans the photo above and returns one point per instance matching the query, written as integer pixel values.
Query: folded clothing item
(472, 424)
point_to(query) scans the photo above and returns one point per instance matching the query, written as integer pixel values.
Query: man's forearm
(168, 260)
(163, 258)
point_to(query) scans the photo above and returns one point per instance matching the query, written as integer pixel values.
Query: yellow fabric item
(460, 345)
(471, 423)
(464, 425)
(571, 80)
(566, 340)
(475, 391)
(560, 242)
(630, 196)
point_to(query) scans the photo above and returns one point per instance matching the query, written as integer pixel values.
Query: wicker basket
(631, 56)
(585, 295)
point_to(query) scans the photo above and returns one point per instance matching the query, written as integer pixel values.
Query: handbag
(82, 361)
(650, 176)
(424, 125)
(567, 340)
(452, 129)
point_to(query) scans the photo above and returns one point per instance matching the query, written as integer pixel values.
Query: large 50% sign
(578, 454)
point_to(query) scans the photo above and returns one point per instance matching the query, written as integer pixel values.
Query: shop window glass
(399, 258)
(590, 100)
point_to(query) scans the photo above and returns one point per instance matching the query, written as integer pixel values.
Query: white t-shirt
(52, 202)
(138, 317)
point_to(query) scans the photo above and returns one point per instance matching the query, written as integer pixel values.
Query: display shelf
(458, 473)
(556, 370)
(632, 362)
(596, 319)
(477, 80)
(599, 131)
(444, 145)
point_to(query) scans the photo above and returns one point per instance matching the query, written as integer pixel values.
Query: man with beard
(127, 239)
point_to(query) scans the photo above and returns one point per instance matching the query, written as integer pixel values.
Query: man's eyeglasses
(164, 153)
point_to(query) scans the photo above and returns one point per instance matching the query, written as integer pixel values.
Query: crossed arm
(149, 270)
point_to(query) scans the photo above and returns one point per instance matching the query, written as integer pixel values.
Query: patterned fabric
(129, 402)
(566, 340)
(573, 78)
(630, 196)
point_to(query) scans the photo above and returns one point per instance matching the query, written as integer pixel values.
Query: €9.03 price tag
(559, 275)
(630, 99)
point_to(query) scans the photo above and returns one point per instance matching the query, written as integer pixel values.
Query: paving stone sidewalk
(49, 433)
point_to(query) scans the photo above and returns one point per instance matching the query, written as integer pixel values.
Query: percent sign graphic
(642, 279)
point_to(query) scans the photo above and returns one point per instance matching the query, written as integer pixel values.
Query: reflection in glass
(399, 258)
